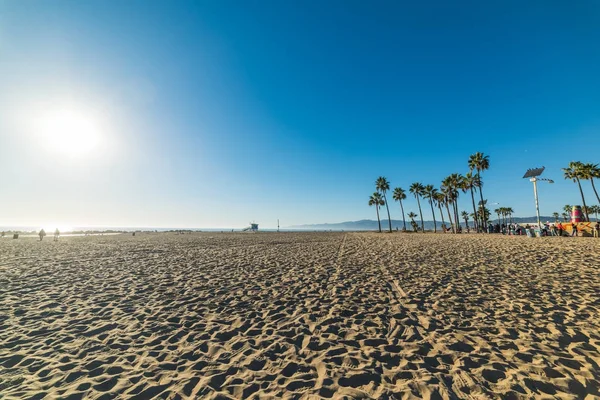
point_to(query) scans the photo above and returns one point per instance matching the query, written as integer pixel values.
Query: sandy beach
(300, 315)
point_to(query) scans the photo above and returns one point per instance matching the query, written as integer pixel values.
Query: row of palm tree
(504, 212)
(595, 209)
(447, 196)
(578, 171)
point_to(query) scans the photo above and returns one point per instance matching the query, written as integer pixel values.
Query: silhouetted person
(42, 234)
(56, 234)
(574, 231)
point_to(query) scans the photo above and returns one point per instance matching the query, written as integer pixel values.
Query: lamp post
(533, 174)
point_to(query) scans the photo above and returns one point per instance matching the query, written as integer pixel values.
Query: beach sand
(300, 315)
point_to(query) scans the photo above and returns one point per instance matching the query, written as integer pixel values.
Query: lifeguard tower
(253, 227)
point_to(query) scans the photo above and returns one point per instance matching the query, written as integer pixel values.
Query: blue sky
(216, 113)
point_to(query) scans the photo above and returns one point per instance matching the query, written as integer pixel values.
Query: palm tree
(498, 211)
(595, 210)
(458, 182)
(399, 195)
(450, 185)
(479, 162)
(440, 198)
(447, 192)
(565, 216)
(377, 201)
(412, 216)
(567, 210)
(429, 192)
(504, 213)
(465, 216)
(575, 172)
(383, 185)
(484, 213)
(555, 216)
(472, 182)
(591, 171)
(509, 212)
(587, 210)
(417, 190)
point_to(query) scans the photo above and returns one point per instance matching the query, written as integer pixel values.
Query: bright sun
(70, 133)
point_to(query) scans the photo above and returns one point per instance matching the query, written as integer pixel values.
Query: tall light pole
(533, 174)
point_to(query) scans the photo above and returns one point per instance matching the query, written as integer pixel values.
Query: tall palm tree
(509, 212)
(555, 216)
(452, 184)
(458, 182)
(412, 216)
(417, 190)
(479, 162)
(591, 171)
(472, 182)
(383, 185)
(575, 172)
(429, 192)
(484, 213)
(440, 198)
(448, 193)
(465, 216)
(399, 195)
(377, 201)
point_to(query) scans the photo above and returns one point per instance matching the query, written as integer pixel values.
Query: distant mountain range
(369, 224)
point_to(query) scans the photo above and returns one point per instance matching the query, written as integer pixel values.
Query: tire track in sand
(336, 274)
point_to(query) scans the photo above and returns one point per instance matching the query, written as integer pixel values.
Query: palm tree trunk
(433, 213)
(484, 228)
(378, 220)
(388, 211)
(456, 216)
(450, 219)
(403, 218)
(594, 187)
(442, 214)
(587, 218)
(421, 214)
(474, 211)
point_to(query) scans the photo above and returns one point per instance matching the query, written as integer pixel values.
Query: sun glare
(70, 133)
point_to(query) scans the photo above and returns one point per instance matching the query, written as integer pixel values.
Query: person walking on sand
(574, 229)
(42, 234)
(597, 229)
(56, 234)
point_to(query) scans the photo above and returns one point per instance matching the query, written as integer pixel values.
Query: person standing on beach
(42, 234)
(597, 229)
(56, 234)
(574, 229)
(560, 228)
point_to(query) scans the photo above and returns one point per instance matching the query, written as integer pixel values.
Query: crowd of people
(547, 229)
